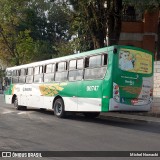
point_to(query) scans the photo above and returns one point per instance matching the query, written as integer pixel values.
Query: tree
(11, 39)
(49, 23)
(114, 22)
(96, 19)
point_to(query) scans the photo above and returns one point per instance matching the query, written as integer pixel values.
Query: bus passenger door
(22, 96)
(34, 97)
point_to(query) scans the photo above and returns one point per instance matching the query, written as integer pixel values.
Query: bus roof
(96, 51)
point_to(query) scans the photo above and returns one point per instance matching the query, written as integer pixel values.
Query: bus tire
(16, 103)
(18, 107)
(58, 107)
(91, 114)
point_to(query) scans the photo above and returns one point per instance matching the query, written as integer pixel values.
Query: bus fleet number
(92, 88)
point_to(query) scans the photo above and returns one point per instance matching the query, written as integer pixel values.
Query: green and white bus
(116, 78)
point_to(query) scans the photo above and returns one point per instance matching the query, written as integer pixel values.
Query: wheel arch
(55, 98)
(13, 98)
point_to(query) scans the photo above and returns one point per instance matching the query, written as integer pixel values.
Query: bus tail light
(116, 92)
(151, 94)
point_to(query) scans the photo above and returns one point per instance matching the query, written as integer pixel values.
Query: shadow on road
(122, 123)
(111, 121)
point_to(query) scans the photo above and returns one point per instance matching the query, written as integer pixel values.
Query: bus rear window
(135, 61)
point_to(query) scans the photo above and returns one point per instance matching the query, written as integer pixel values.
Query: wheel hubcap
(16, 103)
(58, 108)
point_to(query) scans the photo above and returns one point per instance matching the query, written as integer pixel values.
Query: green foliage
(92, 18)
(65, 49)
(25, 47)
(32, 30)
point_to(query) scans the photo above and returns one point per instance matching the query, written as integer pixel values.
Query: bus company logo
(27, 89)
(6, 154)
(130, 82)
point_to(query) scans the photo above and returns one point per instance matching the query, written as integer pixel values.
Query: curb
(130, 117)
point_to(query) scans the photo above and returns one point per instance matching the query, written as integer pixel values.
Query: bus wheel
(18, 107)
(59, 108)
(16, 103)
(91, 114)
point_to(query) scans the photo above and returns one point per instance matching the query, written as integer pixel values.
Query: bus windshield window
(6, 82)
(9, 73)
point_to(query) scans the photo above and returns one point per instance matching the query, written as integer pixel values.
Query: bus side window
(22, 77)
(61, 71)
(86, 62)
(95, 61)
(49, 73)
(62, 66)
(72, 65)
(41, 70)
(104, 59)
(36, 70)
(75, 70)
(15, 77)
(48, 68)
(29, 77)
(38, 74)
(80, 63)
(72, 70)
(96, 69)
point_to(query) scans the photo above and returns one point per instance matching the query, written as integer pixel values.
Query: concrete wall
(156, 90)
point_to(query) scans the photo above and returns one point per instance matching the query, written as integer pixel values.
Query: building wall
(141, 34)
(156, 89)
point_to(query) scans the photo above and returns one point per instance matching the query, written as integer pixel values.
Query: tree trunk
(114, 23)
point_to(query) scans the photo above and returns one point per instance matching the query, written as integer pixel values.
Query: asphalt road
(35, 130)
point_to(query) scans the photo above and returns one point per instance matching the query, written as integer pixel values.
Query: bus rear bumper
(115, 106)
